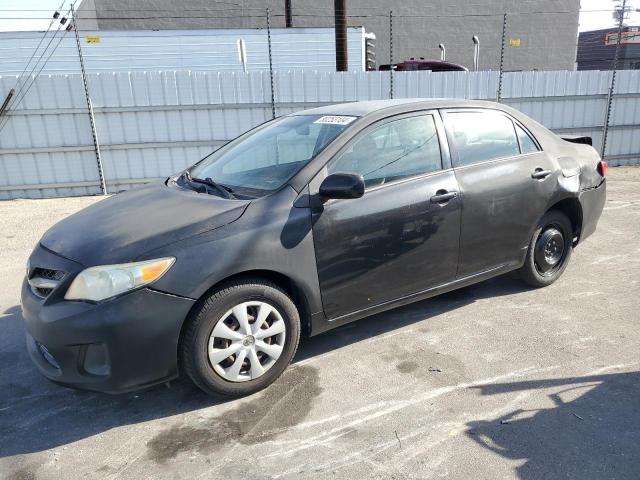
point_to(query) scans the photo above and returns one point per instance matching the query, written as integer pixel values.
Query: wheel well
(281, 280)
(289, 286)
(573, 210)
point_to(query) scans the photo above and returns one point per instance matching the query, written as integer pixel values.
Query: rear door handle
(442, 196)
(540, 174)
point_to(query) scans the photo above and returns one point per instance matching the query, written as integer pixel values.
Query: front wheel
(241, 338)
(549, 250)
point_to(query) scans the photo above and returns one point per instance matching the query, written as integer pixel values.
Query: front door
(506, 183)
(402, 236)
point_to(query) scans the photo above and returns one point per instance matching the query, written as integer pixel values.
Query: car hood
(124, 227)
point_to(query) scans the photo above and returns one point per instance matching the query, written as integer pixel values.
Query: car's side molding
(414, 297)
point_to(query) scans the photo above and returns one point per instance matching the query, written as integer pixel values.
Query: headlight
(106, 281)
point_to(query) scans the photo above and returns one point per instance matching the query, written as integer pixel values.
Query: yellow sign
(95, 39)
(514, 42)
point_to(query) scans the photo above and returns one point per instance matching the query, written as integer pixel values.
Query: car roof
(361, 109)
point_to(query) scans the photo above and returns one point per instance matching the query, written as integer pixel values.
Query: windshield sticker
(335, 119)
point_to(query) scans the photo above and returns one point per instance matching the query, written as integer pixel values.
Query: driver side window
(395, 150)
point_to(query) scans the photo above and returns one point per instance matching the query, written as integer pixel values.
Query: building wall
(595, 53)
(86, 15)
(199, 50)
(546, 29)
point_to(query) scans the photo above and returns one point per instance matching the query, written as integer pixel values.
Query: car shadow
(400, 317)
(591, 430)
(36, 415)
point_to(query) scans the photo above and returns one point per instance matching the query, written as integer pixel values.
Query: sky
(592, 16)
(28, 14)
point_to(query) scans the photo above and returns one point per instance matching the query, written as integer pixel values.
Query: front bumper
(592, 202)
(115, 346)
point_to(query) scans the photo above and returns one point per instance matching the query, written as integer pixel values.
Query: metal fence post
(390, 53)
(273, 93)
(607, 115)
(504, 34)
(94, 132)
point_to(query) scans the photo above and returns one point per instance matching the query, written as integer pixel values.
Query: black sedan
(300, 225)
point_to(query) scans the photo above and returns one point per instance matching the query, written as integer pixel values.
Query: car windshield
(264, 159)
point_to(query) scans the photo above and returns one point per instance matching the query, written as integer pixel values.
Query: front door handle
(540, 174)
(442, 196)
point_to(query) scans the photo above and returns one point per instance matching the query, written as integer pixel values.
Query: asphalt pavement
(492, 381)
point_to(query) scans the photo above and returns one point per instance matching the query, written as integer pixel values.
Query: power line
(235, 16)
(62, 22)
(35, 65)
(32, 78)
(256, 9)
(21, 77)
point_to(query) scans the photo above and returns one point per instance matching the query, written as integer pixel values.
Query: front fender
(272, 235)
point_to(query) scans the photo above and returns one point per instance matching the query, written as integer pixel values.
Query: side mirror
(342, 185)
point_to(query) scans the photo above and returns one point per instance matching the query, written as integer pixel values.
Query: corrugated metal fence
(152, 124)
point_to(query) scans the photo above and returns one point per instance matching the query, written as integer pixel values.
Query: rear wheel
(549, 250)
(241, 338)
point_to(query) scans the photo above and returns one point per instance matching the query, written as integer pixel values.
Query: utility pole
(288, 17)
(607, 114)
(391, 66)
(340, 11)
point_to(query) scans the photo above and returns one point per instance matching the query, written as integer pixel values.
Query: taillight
(602, 168)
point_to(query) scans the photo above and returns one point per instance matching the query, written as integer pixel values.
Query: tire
(537, 270)
(217, 327)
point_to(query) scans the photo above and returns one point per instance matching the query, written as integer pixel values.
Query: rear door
(506, 183)
(401, 237)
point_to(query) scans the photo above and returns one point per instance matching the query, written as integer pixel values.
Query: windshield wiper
(226, 192)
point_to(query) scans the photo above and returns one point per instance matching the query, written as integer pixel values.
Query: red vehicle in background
(422, 64)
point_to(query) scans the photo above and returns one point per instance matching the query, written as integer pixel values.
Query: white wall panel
(152, 124)
(198, 50)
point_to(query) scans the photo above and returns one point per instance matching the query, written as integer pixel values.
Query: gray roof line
(363, 108)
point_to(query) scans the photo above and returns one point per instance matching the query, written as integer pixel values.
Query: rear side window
(527, 145)
(395, 150)
(480, 136)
